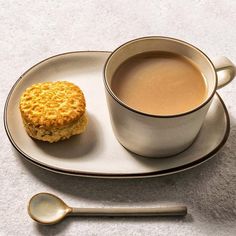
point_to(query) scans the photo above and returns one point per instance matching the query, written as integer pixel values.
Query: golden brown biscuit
(52, 111)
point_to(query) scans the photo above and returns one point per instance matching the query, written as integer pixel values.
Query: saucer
(97, 153)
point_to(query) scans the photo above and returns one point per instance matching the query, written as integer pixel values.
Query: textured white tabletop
(33, 30)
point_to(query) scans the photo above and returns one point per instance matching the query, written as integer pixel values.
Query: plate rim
(110, 175)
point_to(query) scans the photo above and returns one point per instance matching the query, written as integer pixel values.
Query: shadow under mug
(162, 135)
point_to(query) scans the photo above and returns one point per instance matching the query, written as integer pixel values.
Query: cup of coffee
(158, 92)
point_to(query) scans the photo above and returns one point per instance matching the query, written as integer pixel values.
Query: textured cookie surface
(52, 104)
(55, 134)
(53, 111)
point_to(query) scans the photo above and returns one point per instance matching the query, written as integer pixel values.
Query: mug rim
(109, 90)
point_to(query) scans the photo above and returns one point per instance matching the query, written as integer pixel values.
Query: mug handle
(225, 71)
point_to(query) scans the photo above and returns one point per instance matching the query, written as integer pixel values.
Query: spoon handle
(153, 211)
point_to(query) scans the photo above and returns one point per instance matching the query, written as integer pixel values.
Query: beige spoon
(46, 208)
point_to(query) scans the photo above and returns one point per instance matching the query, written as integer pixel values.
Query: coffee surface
(159, 83)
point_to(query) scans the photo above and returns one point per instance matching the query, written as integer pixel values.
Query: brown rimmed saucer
(97, 153)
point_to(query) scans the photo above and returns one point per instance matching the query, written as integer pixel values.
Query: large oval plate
(97, 153)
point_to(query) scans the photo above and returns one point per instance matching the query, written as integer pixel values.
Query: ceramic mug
(162, 135)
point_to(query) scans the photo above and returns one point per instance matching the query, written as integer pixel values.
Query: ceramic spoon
(47, 208)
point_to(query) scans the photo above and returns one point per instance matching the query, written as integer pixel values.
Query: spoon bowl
(47, 208)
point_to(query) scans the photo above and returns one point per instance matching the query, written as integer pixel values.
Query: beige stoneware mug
(158, 135)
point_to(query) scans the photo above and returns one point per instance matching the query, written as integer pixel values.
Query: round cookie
(53, 111)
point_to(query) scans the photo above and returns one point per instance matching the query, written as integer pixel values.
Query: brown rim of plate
(109, 175)
(109, 90)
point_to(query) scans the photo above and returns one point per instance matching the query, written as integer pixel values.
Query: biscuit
(53, 111)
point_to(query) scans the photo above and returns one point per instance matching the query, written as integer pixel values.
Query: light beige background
(33, 30)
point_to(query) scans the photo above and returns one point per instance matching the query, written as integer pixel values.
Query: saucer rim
(110, 175)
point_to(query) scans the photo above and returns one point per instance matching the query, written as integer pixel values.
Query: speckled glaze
(34, 30)
(46, 208)
(97, 153)
(156, 135)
